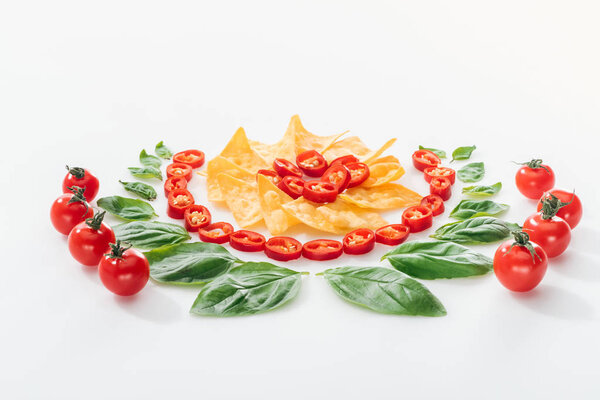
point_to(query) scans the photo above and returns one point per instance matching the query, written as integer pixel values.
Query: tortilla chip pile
(231, 178)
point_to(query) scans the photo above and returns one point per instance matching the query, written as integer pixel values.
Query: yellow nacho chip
(353, 145)
(306, 140)
(306, 212)
(382, 173)
(347, 217)
(238, 151)
(373, 155)
(285, 148)
(271, 200)
(390, 195)
(242, 199)
(386, 159)
(223, 165)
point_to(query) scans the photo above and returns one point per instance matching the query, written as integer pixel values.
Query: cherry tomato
(124, 271)
(319, 192)
(292, 185)
(193, 158)
(175, 182)
(359, 241)
(344, 160)
(359, 172)
(82, 178)
(322, 249)
(338, 175)
(283, 248)
(392, 235)
(441, 186)
(271, 175)
(179, 200)
(179, 169)
(244, 240)
(435, 203)
(553, 234)
(571, 211)
(424, 159)
(196, 217)
(312, 163)
(89, 240)
(285, 168)
(534, 178)
(70, 209)
(442, 172)
(217, 232)
(520, 265)
(417, 218)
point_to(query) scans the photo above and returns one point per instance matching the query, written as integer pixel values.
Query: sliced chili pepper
(344, 160)
(443, 172)
(417, 218)
(193, 158)
(179, 169)
(285, 168)
(319, 192)
(175, 182)
(283, 248)
(359, 241)
(338, 175)
(312, 163)
(271, 175)
(217, 232)
(322, 249)
(196, 217)
(292, 185)
(392, 235)
(244, 240)
(435, 203)
(359, 172)
(179, 200)
(441, 186)
(424, 159)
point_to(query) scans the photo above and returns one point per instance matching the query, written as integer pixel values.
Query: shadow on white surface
(151, 304)
(557, 303)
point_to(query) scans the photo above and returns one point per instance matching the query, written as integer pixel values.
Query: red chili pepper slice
(417, 218)
(435, 203)
(193, 158)
(441, 186)
(179, 169)
(319, 192)
(424, 159)
(285, 168)
(338, 175)
(217, 232)
(359, 241)
(359, 172)
(175, 182)
(344, 160)
(443, 172)
(179, 200)
(392, 235)
(271, 175)
(283, 248)
(322, 249)
(312, 163)
(196, 217)
(292, 185)
(244, 240)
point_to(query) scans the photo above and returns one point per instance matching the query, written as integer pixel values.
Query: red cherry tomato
(89, 240)
(338, 175)
(534, 178)
(552, 234)
(124, 271)
(193, 158)
(179, 200)
(435, 203)
(271, 175)
(572, 211)
(196, 217)
(441, 186)
(70, 209)
(322, 249)
(175, 182)
(217, 232)
(359, 241)
(417, 218)
(319, 192)
(82, 178)
(344, 160)
(244, 240)
(442, 172)
(312, 163)
(285, 168)
(292, 185)
(520, 265)
(392, 235)
(283, 248)
(359, 172)
(179, 169)
(424, 159)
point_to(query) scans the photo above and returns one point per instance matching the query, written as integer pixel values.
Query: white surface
(92, 84)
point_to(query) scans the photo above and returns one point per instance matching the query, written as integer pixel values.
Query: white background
(92, 83)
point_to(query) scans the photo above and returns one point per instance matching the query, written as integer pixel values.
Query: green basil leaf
(475, 231)
(384, 290)
(477, 208)
(145, 172)
(189, 263)
(251, 288)
(126, 208)
(482, 191)
(463, 153)
(472, 172)
(151, 234)
(149, 160)
(163, 151)
(439, 153)
(143, 190)
(437, 259)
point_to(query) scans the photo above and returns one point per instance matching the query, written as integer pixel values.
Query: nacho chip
(373, 155)
(220, 165)
(347, 217)
(353, 145)
(390, 195)
(271, 200)
(386, 159)
(285, 148)
(306, 140)
(238, 151)
(382, 173)
(306, 212)
(241, 198)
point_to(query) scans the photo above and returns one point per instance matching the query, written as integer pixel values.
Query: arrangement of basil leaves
(126, 208)
(472, 172)
(482, 191)
(463, 153)
(146, 172)
(475, 231)
(477, 208)
(163, 151)
(149, 160)
(143, 190)
(439, 153)
(151, 234)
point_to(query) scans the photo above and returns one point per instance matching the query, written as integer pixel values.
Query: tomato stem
(96, 221)
(116, 250)
(534, 164)
(77, 172)
(78, 196)
(522, 240)
(551, 205)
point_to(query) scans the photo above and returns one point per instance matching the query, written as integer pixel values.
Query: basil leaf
(437, 259)
(126, 208)
(439, 153)
(151, 234)
(477, 208)
(472, 172)
(163, 151)
(251, 288)
(189, 263)
(384, 290)
(145, 172)
(463, 153)
(149, 160)
(143, 190)
(482, 191)
(475, 231)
